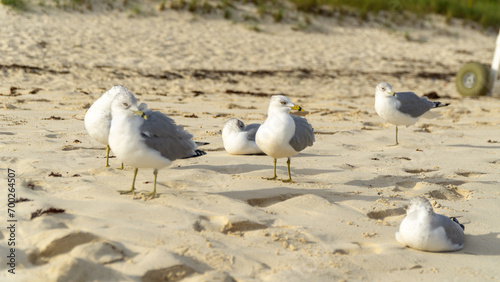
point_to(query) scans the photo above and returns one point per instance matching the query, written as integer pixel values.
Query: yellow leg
(289, 174)
(153, 194)
(132, 189)
(107, 156)
(121, 166)
(397, 143)
(275, 176)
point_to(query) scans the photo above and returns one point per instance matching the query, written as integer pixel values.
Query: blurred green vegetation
(15, 4)
(484, 12)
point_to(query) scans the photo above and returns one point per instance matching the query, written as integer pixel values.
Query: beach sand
(216, 219)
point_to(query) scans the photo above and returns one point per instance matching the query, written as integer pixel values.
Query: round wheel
(473, 79)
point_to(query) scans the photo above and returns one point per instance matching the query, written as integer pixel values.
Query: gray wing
(251, 130)
(304, 134)
(452, 229)
(162, 134)
(413, 105)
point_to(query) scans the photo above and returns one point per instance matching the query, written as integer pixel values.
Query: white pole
(495, 65)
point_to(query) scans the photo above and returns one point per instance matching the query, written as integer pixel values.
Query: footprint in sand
(470, 174)
(419, 170)
(71, 148)
(226, 226)
(77, 269)
(268, 201)
(449, 192)
(419, 185)
(83, 245)
(99, 252)
(382, 214)
(172, 273)
(10, 160)
(407, 184)
(357, 248)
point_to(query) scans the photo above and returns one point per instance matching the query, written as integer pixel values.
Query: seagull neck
(128, 122)
(423, 212)
(384, 94)
(274, 111)
(228, 130)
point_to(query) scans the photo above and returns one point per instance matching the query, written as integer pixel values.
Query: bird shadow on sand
(311, 171)
(313, 155)
(482, 245)
(406, 181)
(246, 168)
(228, 169)
(270, 196)
(474, 146)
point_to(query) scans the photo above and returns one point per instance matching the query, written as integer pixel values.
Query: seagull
(402, 108)
(239, 139)
(98, 117)
(147, 138)
(283, 135)
(424, 230)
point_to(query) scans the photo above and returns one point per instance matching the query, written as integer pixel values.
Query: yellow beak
(392, 93)
(295, 107)
(141, 114)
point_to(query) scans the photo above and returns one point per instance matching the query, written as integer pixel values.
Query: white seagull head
(127, 105)
(383, 89)
(420, 204)
(233, 125)
(281, 103)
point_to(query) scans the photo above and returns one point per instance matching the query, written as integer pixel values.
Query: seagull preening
(146, 138)
(283, 135)
(239, 139)
(402, 108)
(98, 117)
(424, 230)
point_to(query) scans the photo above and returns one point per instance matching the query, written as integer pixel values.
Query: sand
(216, 219)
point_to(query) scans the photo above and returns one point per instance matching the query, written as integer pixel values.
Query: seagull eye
(283, 103)
(125, 104)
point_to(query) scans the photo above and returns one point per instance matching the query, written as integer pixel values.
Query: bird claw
(270, 178)
(131, 191)
(287, 180)
(151, 195)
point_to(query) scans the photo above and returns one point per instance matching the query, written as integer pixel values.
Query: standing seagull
(98, 117)
(239, 139)
(147, 139)
(402, 108)
(424, 230)
(283, 135)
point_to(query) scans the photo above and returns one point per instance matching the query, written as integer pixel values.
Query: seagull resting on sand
(424, 230)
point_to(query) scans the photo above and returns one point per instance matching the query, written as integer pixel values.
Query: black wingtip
(439, 104)
(201, 143)
(197, 153)
(456, 220)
